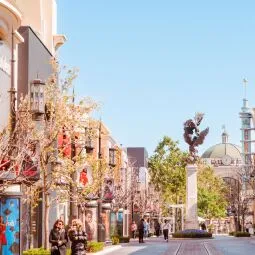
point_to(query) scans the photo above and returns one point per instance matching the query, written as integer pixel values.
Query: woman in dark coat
(141, 231)
(58, 238)
(157, 228)
(78, 238)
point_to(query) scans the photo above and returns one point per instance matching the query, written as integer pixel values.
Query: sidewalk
(106, 250)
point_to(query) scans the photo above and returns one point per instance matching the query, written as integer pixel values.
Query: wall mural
(9, 226)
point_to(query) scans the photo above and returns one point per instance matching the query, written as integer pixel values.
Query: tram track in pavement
(178, 249)
(206, 248)
(185, 248)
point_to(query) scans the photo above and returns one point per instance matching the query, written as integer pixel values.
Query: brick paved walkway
(216, 246)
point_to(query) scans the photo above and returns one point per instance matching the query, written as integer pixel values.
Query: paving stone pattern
(217, 246)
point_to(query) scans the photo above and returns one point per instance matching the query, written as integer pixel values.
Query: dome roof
(222, 149)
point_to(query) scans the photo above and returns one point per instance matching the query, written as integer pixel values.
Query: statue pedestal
(191, 221)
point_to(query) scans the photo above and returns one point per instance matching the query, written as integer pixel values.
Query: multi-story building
(100, 145)
(10, 21)
(138, 160)
(41, 16)
(28, 39)
(226, 160)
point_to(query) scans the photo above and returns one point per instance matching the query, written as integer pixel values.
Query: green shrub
(124, 239)
(36, 251)
(242, 234)
(192, 233)
(150, 234)
(95, 246)
(239, 234)
(115, 239)
(91, 247)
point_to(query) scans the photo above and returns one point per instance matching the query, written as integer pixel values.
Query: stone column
(126, 223)
(91, 220)
(191, 221)
(106, 214)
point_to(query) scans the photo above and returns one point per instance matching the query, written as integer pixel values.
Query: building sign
(106, 221)
(10, 226)
(218, 162)
(83, 177)
(108, 190)
(91, 223)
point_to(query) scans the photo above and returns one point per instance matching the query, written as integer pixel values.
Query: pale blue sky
(154, 63)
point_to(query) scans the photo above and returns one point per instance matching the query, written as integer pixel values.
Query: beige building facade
(10, 21)
(227, 162)
(28, 39)
(41, 16)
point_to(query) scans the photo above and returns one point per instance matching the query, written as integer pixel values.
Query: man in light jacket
(166, 228)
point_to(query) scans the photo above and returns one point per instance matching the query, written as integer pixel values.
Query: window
(112, 160)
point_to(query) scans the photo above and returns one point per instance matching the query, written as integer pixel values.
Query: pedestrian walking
(250, 228)
(146, 228)
(58, 238)
(157, 228)
(133, 229)
(78, 238)
(141, 231)
(166, 227)
(203, 226)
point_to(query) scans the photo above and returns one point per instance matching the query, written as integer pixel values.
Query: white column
(191, 221)
(125, 223)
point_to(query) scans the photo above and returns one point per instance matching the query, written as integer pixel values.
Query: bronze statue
(193, 137)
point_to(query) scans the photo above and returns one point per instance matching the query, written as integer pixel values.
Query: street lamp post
(73, 189)
(73, 199)
(238, 206)
(100, 226)
(12, 90)
(132, 207)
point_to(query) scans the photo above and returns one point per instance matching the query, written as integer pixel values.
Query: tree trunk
(46, 221)
(243, 228)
